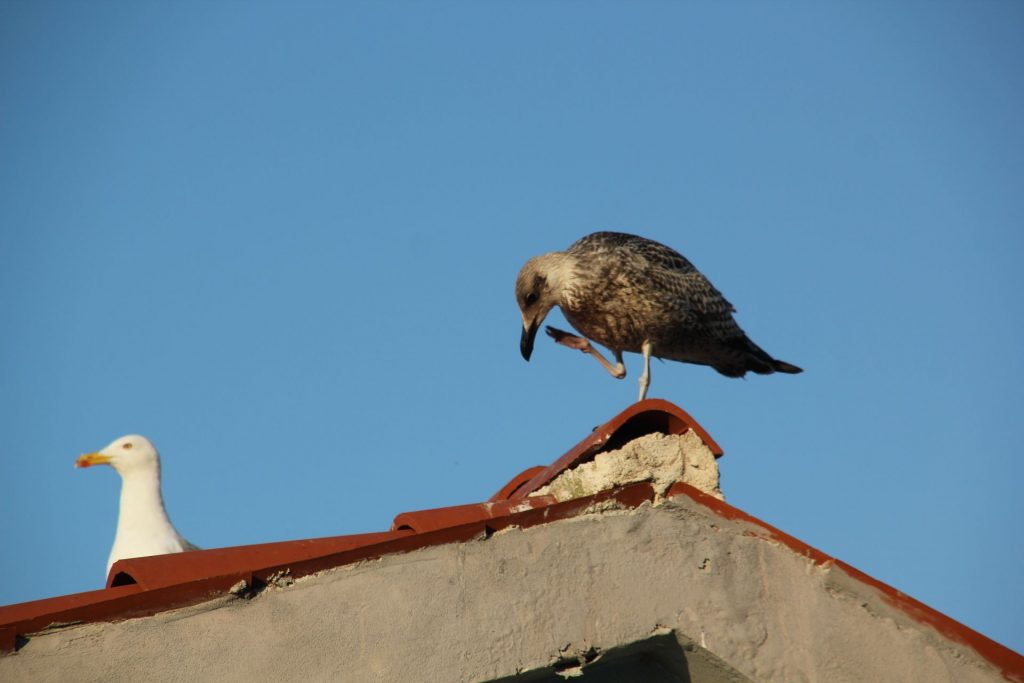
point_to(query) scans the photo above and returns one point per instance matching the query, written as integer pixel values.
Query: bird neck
(558, 267)
(142, 504)
(561, 270)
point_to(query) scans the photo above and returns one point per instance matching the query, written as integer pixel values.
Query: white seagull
(143, 527)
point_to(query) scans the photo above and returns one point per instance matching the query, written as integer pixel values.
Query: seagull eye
(531, 298)
(127, 446)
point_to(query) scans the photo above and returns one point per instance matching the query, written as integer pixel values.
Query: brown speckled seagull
(629, 293)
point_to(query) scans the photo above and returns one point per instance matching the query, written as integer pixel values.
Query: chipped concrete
(662, 593)
(662, 459)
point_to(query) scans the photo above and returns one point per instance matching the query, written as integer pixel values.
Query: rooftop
(578, 485)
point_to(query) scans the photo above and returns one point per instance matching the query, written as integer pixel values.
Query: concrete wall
(672, 593)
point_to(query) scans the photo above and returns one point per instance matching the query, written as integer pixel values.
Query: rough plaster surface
(662, 459)
(522, 600)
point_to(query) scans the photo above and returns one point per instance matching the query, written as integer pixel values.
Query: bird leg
(645, 378)
(618, 371)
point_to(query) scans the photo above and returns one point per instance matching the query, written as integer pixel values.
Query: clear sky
(280, 239)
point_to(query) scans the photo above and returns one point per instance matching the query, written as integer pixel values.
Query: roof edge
(135, 600)
(1009, 663)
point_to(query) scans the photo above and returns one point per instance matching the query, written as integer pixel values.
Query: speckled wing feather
(655, 252)
(668, 270)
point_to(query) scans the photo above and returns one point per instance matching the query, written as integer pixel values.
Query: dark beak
(526, 342)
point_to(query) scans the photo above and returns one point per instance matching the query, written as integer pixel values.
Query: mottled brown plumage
(629, 293)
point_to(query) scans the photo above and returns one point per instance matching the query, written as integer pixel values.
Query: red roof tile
(646, 417)
(147, 585)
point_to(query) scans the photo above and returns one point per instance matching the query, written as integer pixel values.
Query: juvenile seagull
(630, 293)
(143, 527)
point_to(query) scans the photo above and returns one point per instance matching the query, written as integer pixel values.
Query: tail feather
(738, 356)
(783, 366)
(760, 362)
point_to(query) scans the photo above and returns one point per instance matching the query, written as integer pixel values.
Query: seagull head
(538, 290)
(129, 454)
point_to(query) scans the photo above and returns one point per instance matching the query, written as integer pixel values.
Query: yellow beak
(90, 459)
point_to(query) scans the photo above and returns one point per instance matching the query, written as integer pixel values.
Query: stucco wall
(584, 589)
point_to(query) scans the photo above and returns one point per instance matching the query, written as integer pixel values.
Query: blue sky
(280, 239)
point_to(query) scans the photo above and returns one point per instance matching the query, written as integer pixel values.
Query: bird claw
(568, 339)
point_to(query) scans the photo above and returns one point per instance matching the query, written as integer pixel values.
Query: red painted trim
(1009, 662)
